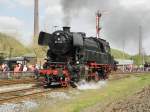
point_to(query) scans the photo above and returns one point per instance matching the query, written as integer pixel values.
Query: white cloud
(11, 25)
(26, 3)
(51, 2)
(135, 3)
(14, 3)
(4, 1)
(52, 15)
(16, 27)
(52, 10)
(7, 3)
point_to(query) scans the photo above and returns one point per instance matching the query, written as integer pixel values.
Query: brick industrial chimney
(140, 41)
(36, 18)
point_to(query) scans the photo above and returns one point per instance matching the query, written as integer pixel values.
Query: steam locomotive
(73, 56)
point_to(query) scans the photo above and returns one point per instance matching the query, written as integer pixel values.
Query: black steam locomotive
(73, 56)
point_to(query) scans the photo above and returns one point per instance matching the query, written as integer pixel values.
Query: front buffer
(55, 77)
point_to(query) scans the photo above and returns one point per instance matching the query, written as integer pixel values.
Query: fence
(14, 75)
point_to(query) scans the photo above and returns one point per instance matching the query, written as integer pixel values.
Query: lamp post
(10, 52)
(123, 54)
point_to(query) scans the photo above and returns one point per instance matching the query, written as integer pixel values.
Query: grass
(9, 42)
(114, 90)
(119, 54)
(138, 60)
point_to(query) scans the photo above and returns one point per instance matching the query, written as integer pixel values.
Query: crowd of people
(18, 69)
(135, 68)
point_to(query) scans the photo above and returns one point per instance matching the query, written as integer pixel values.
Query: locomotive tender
(73, 56)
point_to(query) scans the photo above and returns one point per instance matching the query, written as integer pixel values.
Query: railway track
(119, 75)
(36, 91)
(19, 81)
(13, 82)
(21, 94)
(120, 72)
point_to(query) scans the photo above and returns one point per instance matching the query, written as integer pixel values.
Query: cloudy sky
(120, 20)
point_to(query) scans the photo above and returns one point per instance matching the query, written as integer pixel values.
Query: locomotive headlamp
(57, 34)
(77, 62)
(58, 38)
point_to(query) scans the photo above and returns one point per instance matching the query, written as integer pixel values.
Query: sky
(120, 19)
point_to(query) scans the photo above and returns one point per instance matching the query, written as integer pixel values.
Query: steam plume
(120, 24)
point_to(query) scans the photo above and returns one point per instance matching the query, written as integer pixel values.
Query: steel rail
(13, 96)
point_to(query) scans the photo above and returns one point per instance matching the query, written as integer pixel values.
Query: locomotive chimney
(66, 29)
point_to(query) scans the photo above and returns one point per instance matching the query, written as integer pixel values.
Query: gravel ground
(139, 102)
(24, 106)
(49, 99)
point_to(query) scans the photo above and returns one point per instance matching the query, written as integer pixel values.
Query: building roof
(124, 61)
(15, 59)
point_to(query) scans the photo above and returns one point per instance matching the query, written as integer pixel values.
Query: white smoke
(84, 85)
(120, 20)
(59, 95)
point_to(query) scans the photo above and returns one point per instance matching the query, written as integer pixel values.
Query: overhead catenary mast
(36, 18)
(140, 40)
(98, 16)
(141, 49)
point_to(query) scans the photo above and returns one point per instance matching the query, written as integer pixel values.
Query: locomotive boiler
(73, 56)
